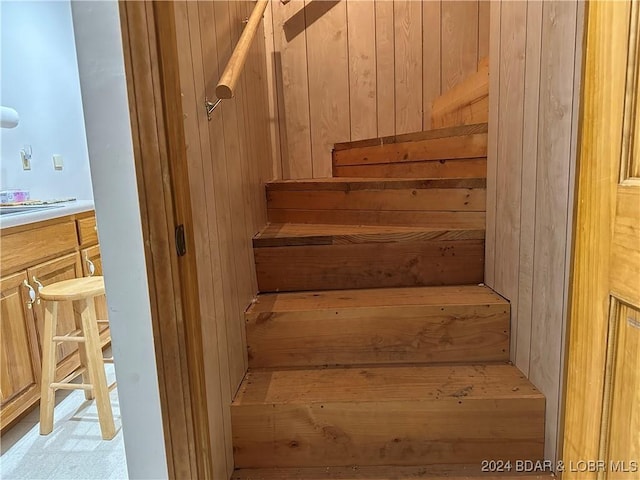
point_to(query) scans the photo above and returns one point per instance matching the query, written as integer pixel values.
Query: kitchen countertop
(60, 210)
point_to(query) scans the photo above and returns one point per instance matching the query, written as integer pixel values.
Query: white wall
(104, 94)
(39, 78)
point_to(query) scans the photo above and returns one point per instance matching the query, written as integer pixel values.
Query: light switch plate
(26, 161)
(58, 163)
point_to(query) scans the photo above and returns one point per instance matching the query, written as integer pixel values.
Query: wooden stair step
(357, 472)
(438, 203)
(378, 326)
(461, 142)
(400, 415)
(297, 258)
(289, 234)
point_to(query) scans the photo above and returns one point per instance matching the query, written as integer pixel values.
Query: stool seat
(74, 289)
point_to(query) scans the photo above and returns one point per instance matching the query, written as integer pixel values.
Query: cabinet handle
(40, 287)
(32, 294)
(90, 266)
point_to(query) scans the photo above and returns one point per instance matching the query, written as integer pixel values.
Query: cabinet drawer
(27, 247)
(87, 231)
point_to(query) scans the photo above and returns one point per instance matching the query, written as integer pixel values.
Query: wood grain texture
(411, 43)
(369, 265)
(445, 148)
(510, 153)
(279, 421)
(288, 234)
(26, 247)
(361, 27)
(424, 472)
(328, 87)
(607, 36)
(407, 17)
(552, 207)
(534, 88)
(385, 69)
(459, 168)
(19, 354)
(459, 42)
(433, 219)
(431, 57)
(321, 329)
(522, 341)
(290, 63)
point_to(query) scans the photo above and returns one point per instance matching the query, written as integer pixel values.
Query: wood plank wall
(349, 70)
(229, 161)
(535, 65)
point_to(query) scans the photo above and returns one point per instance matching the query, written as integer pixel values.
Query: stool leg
(82, 353)
(86, 310)
(48, 394)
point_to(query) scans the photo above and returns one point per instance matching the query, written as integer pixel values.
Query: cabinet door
(63, 268)
(92, 254)
(19, 357)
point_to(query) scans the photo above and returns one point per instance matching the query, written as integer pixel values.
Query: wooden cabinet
(44, 252)
(19, 358)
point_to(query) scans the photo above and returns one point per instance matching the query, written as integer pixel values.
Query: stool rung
(71, 386)
(112, 386)
(102, 321)
(108, 360)
(69, 337)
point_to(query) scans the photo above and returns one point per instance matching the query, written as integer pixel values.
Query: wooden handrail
(227, 84)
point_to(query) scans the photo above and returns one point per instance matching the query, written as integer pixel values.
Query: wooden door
(19, 357)
(63, 268)
(602, 414)
(91, 257)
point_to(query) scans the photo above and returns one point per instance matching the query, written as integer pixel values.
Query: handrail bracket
(210, 106)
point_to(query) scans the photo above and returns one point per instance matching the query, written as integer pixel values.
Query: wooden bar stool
(80, 291)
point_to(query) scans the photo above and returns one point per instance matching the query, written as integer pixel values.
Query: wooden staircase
(374, 349)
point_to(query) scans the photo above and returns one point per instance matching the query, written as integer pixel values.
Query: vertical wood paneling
(273, 110)
(229, 160)
(532, 153)
(349, 70)
(385, 69)
(361, 25)
(484, 7)
(408, 65)
(328, 71)
(431, 58)
(290, 62)
(509, 152)
(492, 143)
(196, 139)
(554, 150)
(528, 196)
(459, 41)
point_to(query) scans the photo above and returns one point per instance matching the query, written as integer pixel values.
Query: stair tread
(376, 297)
(426, 472)
(385, 384)
(415, 136)
(279, 234)
(355, 183)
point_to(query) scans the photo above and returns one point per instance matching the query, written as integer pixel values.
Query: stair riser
(376, 265)
(432, 219)
(458, 168)
(382, 335)
(420, 432)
